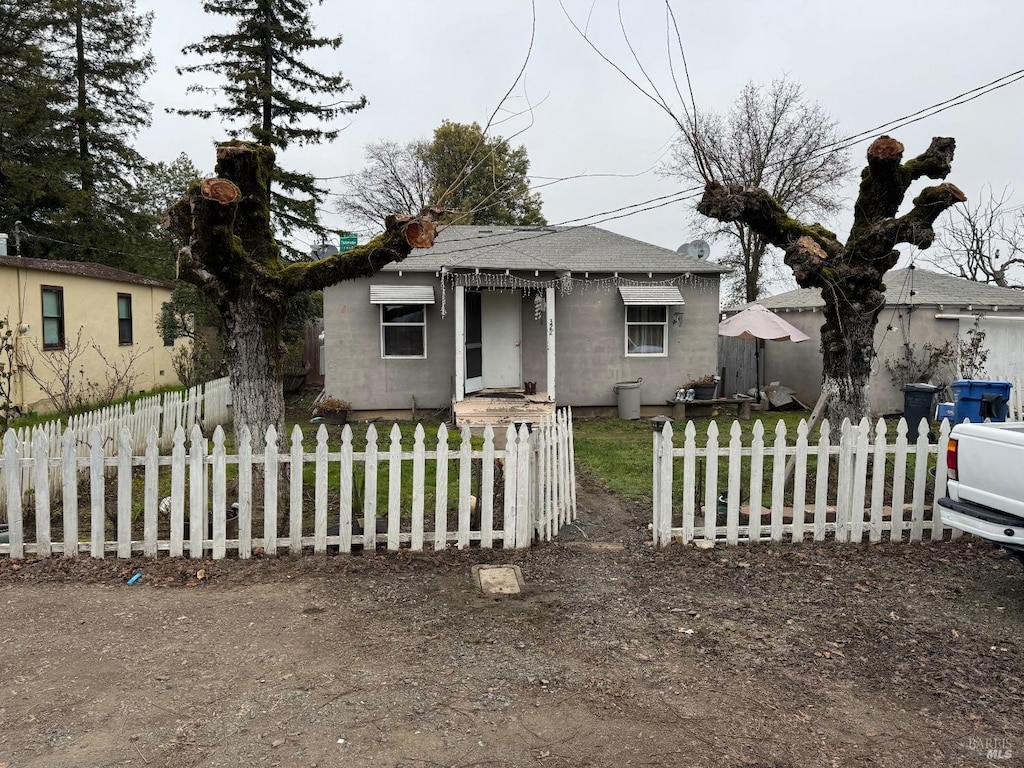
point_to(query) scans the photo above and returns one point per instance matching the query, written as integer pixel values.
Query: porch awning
(401, 294)
(651, 295)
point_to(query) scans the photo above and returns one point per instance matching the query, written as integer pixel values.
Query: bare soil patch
(614, 654)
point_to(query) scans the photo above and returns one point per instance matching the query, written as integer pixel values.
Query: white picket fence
(868, 483)
(207, 405)
(532, 480)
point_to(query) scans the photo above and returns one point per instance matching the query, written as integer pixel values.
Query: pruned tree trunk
(229, 251)
(851, 275)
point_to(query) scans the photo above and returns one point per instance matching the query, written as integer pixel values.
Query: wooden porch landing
(499, 408)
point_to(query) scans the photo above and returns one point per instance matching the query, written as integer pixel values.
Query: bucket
(627, 397)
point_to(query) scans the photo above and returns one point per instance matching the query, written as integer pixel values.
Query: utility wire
(692, 192)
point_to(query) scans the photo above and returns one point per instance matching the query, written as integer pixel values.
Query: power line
(692, 192)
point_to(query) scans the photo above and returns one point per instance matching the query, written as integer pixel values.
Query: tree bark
(850, 276)
(229, 251)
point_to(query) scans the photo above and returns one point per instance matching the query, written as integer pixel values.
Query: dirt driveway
(615, 656)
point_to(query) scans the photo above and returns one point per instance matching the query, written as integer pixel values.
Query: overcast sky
(418, 63)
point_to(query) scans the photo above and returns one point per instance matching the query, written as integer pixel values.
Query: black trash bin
(918, 403)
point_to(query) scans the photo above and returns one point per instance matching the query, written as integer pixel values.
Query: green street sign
(347, 243)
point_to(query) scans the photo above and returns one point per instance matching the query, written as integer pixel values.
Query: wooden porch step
(500, 411)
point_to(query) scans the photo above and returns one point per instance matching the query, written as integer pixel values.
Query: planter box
(333, 417)
(705, 391)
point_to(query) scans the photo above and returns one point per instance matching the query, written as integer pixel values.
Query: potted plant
(703, 388)
(332, 410)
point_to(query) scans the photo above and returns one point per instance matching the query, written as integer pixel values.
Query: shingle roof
(930, 289)
(83, 269)
(574, 249)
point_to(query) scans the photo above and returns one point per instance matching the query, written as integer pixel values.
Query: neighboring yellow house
(48, 302)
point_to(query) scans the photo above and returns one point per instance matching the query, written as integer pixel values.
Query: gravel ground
(614, 655)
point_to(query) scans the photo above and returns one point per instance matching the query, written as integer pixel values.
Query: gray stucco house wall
(922, 307)
(562, 309)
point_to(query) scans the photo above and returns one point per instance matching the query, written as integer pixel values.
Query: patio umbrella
(757, 322)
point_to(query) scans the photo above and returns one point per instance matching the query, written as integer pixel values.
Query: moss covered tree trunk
(850, 275)
(229, 251)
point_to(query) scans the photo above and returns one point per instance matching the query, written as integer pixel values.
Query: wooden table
(741, 404)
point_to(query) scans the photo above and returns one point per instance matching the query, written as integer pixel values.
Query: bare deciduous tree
(395, 178)
(773, 138)
(984, 243)
(61, 376)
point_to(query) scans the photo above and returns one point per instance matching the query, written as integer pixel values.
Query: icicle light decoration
(565, 283)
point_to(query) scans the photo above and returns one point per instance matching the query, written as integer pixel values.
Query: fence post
(510, 522)
(524, 523)
(12, 470)
(659, 426)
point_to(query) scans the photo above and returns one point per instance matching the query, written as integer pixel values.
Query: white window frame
(383, 325)
(664, 331)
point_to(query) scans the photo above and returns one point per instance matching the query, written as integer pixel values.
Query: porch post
(460, 343)
(549, 295)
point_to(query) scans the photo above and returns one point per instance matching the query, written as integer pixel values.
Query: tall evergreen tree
(35, 152)
(96, 50)
(272, 95)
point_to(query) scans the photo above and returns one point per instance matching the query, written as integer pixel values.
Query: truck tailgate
(991, 465)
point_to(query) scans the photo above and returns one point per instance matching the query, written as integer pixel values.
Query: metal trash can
(918, 403)
(979, 400)
(627, 397)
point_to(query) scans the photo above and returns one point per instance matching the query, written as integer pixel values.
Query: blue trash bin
(975, 400)
(945, 411)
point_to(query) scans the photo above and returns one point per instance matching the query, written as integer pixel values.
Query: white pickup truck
(985, 485)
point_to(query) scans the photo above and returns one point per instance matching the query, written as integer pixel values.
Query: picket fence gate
(854, 493)
(532, 477)
(204, 404)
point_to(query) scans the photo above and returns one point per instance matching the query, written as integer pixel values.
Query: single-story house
(566, 312)
(48, 301)
(922, 307)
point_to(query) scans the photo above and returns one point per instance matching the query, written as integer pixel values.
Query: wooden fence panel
(844, 504)
(394, 488)
(485, 504)
(124, 494)
(245, 497)
(200, 518)
(419, 473)
(270, 493)
(320, 492)
(97, 520)
(220, 500)
(41, 451)
(370, 491)
(150, 532)
(345, 513)
(800, 482)
(69, 482)
(295, 493)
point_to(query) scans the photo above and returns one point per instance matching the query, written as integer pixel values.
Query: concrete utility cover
(499, 579)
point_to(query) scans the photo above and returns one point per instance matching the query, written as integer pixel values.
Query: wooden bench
(741, 404)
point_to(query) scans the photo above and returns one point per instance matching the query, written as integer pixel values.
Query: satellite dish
(323, 250)
(698, 249)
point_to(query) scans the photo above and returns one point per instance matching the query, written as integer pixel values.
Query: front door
(502, 339)
(493, 340)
